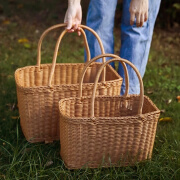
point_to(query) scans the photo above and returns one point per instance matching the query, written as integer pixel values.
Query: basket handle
(41, 39)
(87, 48)
(97, 78)
(63, 25)
(98, 57)
(58, 43)
(56, 53)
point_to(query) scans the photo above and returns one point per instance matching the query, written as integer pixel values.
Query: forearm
(73, 2)
(73, 15)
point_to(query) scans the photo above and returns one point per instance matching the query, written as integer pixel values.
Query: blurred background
(44, 10)
(33, 17)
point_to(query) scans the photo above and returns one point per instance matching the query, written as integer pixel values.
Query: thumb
(69, 23)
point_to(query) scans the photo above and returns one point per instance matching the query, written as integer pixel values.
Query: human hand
(73, 16)
(138, 9)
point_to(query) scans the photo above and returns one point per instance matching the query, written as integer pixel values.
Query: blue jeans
(135, 42)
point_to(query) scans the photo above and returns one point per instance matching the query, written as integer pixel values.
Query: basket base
(45, 140)
(102, 164)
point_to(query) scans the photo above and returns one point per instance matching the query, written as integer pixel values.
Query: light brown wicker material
(40, 87)
(107, 130)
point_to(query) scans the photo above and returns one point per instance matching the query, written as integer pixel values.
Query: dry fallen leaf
(178, 98)
(23, 40)
(163, 110)
(49, 163)
(36, 31)
(27, 45)
(165, 119)
(14, 117)
(20, 6)
(150, 91)
(168, 101)
(59, 52)
(6, 22)
(3, 176)
(13, 107)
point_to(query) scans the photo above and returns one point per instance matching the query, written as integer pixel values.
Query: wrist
(72, 3)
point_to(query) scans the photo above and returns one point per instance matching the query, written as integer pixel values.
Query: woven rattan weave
(40, 87)
(107, 130)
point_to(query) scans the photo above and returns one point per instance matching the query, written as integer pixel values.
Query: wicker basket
(40, 87)
(107, 130)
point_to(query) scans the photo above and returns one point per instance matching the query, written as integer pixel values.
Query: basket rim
(119, 78)
(139, 118)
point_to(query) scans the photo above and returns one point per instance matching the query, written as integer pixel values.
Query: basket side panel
(23, 111)
(29, 76)
(95, 145)
(39, 115)
(118, 142)
(38, 105)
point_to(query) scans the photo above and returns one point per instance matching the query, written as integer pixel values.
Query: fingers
(73, 27)
(68, 20)
(145, 16)
(132, 18)
(71, 30)
(138, 10)
(76, 28)
(138, 19)
(78, 31)
(142, 20)
(69, 24)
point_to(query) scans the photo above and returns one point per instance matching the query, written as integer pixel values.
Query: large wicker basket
(40, 87)
(107, 130)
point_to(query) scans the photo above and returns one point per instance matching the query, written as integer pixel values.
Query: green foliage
(22, 160)
(169, 13)
(177, 6)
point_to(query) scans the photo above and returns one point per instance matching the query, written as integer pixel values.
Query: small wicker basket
(107, 130)
(40, 87)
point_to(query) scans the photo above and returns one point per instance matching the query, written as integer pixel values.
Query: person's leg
(135, 43)
(100, 17)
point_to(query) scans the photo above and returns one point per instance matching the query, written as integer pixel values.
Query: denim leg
(100, 17)
(135, 43)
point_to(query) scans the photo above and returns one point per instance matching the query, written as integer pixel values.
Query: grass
(22, 160)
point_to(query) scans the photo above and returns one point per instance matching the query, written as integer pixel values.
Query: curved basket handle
(97, 78)
(56, 52)
(57, 46)
(41, 39)
(63, 25)
(101, 46)
(94, 59)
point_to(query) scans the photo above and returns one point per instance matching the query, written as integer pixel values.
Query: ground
(21, 24)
